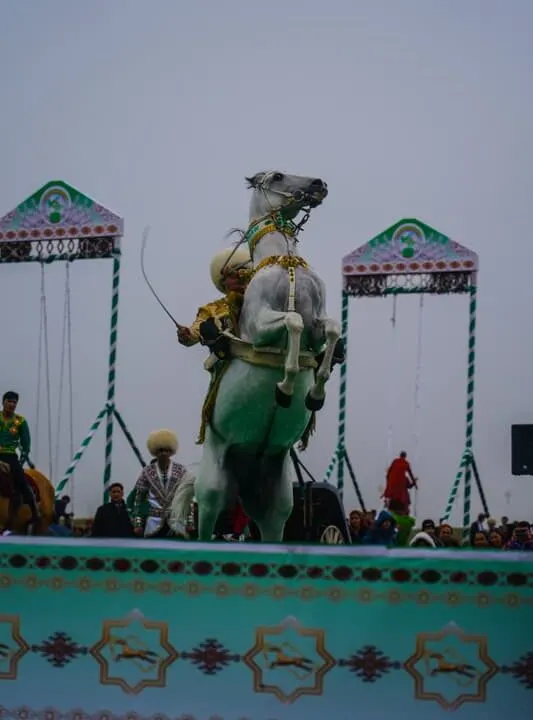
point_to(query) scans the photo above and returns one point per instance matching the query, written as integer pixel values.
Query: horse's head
(275, 191)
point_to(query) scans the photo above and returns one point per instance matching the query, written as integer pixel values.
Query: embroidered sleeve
(141, 492)
(25, 438)
(203, 314)
(181, 503)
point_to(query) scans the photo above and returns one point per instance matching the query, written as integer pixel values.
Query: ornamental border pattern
(345, 571)
(252, 591)
(50, 713)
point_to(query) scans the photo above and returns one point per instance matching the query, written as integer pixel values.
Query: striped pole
(129, 438)
(341, 440)
(331, 467)
(465, 462)
(83, 447)
(469, 432)
(416, 409)
(111, 376)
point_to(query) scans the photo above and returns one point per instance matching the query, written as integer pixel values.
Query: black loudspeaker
(522, 449)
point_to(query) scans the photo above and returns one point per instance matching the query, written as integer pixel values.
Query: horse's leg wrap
(285, 389)
(316, 395)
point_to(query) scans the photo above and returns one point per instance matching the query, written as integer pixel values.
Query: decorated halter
(275, 221)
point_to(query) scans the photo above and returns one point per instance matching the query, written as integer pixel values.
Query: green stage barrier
(144, 630)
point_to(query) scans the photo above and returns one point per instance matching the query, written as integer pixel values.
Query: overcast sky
(159, 109)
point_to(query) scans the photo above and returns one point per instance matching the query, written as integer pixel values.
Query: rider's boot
(29, 499)
(14, 504)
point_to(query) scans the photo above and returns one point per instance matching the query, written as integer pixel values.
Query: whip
(146, 232)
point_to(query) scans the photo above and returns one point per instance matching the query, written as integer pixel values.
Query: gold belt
(268, 357)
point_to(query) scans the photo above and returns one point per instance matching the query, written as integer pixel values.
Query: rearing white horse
(272, 384)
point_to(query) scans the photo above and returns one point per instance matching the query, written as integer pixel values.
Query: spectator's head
(480, 540)
(116, 492)
(522, 532)
(9, 401)
(445, 534)
(65, 499)
(495, 539)
(505, 520)
(162, 445)
(356, 520)
(403, 454)
(385, 521)
(481, 517)
(428, 527)
(492, 523)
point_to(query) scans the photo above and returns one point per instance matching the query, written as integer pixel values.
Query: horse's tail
(181, 504)
(46, 492)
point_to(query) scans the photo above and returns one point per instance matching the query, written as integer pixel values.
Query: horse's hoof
(282, 399)
(314, 404)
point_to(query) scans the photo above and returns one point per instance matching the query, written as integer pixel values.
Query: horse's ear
(254, 181)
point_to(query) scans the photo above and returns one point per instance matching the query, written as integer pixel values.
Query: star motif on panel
(210, 656)
(59, 649)
(522, 670)
(134, 653)
(13, 647)
(369, 664)
(450, 667)
(289, 660)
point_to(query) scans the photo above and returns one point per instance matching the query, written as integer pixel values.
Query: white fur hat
(426, 539)
(226, 261)
(160, 440)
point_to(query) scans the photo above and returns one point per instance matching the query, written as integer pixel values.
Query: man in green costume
(15, 434)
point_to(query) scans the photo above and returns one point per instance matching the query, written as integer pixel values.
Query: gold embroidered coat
(224, 311)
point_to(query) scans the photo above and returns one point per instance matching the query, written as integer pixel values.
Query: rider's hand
(183, 333)
(339, 354)
(209, 331)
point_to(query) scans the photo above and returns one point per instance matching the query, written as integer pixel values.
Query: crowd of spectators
(388, 528)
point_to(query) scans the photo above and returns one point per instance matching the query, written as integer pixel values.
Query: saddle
(7, 489)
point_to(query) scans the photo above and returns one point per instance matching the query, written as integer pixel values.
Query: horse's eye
(277, 177)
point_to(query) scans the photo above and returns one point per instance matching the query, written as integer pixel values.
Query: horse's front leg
(264, 328)
(285, 389)
(317, 394)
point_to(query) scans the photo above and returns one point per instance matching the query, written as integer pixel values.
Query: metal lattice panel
(56, 250)
(431, 283)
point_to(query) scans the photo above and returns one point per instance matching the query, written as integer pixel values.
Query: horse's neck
(274, 243)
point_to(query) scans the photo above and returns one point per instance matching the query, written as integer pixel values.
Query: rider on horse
(15, 434)
(231, 270)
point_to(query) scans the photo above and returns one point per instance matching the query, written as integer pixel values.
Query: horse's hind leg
(271, 510)
(317, 394)
(285, 389)
(212, 487)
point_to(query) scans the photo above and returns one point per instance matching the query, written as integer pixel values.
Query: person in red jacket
(400, 480)
(239, 520)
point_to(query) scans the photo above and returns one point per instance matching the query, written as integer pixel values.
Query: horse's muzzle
(317, 191)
